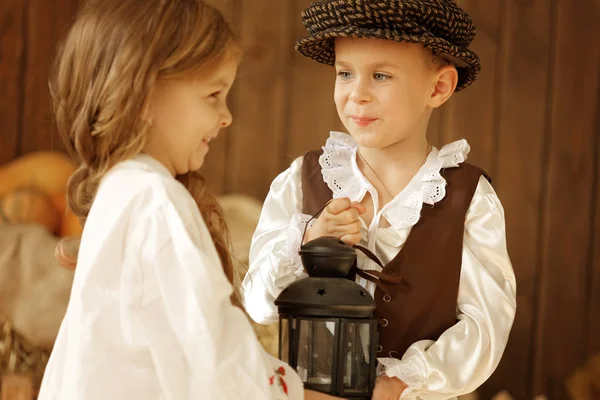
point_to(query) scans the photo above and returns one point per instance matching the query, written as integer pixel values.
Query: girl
(445, 290)
(139, 93)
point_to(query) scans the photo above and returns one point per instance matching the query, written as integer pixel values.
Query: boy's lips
(363, 121)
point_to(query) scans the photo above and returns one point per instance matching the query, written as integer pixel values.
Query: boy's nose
(360, 94)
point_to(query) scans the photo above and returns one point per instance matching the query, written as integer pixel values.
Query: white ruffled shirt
(466, 354)
(149, 315)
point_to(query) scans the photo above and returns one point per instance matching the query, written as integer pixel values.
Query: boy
(432, 219)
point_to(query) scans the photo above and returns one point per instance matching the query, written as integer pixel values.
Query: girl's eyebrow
(218, 82)
(223, 82)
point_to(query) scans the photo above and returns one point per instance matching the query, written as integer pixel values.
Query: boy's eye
(381, 77)
(345, 75)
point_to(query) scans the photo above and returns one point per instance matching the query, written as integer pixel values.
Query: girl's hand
(387, 388)
(340, 219)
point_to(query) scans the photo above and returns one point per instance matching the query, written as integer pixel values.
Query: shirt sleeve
(202, 347)
(274, 259)
(465, 355)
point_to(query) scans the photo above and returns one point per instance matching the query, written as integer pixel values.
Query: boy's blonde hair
(105, 71)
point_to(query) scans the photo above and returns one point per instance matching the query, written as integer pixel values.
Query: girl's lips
(363, 121)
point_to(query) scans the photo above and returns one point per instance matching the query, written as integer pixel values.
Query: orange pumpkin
(29, 206)
(69, 223)
(60, 202)
(47, 171)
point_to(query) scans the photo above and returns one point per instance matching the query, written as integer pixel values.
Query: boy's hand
(339, 219)
(387, 388)
(311, 395)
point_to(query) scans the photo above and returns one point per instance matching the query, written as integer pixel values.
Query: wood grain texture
(261, 102)
(560, 343)
(215, 164)
(313, 110)
(519, 174)
(472, 114)
(593, 328)
(12, 50)
(48, 22)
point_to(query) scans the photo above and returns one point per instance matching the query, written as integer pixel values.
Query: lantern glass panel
(284, 339)
(355, 357)
(315, 353)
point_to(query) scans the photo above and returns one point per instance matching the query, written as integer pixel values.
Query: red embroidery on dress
(283, 385)
(281, 373)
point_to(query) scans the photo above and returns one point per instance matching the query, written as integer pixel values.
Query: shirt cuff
(294, 242)
(411, 371)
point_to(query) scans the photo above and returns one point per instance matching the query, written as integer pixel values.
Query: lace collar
(344, 178)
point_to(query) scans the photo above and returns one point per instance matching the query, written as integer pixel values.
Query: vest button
(384, 322)
(387, 298)
(379, 348)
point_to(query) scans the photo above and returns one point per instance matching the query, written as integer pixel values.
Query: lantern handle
(364, 250)
(378, 278)
(369, 254)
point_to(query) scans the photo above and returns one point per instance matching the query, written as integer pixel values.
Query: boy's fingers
(351, 239)
(344, 218)
(340, 230)
(359, 207)
(338, 205)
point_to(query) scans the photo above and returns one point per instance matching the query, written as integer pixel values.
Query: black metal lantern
(327, 329)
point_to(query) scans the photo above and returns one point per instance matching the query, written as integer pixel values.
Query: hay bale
(19, 356)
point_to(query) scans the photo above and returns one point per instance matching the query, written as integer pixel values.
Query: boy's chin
(369, 139)
(378, 140)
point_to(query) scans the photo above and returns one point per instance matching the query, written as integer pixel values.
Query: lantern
(327, 329)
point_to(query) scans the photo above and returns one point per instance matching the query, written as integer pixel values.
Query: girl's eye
(345, 75)
(215, 94)
(381, 77)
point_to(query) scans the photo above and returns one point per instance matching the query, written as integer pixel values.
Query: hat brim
(321, 48)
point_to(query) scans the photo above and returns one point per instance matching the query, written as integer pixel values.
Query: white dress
(467, 353)
(150, 315)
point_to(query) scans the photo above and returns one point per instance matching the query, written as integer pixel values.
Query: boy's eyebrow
(383, 65)
(341, 64)
(370, 66)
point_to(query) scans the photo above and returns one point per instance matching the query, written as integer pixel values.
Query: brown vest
(423, 304)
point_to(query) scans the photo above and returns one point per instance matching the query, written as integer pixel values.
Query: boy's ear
(446, 79)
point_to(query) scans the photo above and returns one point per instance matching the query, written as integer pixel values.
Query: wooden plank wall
(532, 120)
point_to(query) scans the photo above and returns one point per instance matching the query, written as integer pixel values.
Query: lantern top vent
(326, 297)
